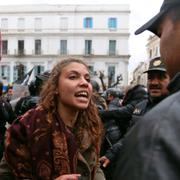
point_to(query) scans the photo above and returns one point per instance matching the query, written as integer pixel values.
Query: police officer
(113, 98)
(157, 82)
(152, 148)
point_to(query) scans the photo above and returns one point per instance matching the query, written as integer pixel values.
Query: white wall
(51, 34)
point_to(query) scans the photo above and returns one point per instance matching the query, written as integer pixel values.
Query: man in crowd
(6, 116)
(152, 148)
(157, 82)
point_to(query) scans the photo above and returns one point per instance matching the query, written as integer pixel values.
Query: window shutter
(84, 23)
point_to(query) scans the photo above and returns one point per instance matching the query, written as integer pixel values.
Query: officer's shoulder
(140, 107)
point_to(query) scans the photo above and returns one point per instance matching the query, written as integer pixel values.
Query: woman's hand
(68, 177)
(104, 161)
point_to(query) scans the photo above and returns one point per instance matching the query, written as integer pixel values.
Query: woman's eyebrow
(75, 71)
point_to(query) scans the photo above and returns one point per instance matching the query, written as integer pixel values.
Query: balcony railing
(19, 52)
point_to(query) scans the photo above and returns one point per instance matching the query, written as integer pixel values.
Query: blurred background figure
(116, 123)
(30, 101)
(6, 116)
(97, 98)
(9, 92)
(113, 97)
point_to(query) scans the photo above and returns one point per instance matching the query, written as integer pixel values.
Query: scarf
(38, 148)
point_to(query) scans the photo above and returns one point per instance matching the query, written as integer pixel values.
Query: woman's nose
(83, 81)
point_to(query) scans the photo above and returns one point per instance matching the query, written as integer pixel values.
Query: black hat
(44, 76)
(152, 24)
(156, 64)
(113, 92)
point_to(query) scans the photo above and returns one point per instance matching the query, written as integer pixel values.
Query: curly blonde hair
(88, 119)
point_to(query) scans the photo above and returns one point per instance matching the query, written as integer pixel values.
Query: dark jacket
(119, 119)
(140, 109)
(112, 131)
(114, 103)
(144, 106)
(152, 147)
(25, 103)
(116, 123)
(6, 114)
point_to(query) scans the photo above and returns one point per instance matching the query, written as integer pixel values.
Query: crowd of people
(65, 129)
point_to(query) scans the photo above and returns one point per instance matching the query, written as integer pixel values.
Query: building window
(88, 22)
(38, 69)
(63, 47)
(88, 47)
(112, 23)
(63, 23)
(20, 47)
(5, 72)
(4, 47)
(112, 47)
(37, 46)
(37, 24)
(4, 24)
(19, 72)
(21, 24)
(111, 74)
(15, 73)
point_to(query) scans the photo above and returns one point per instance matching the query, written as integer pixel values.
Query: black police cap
(156, 64)
(153, 23)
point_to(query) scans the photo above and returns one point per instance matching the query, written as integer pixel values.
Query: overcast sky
(141, 11)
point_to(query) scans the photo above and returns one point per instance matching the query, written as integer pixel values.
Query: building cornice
(42, 8)
(81, 33)
(60, 56)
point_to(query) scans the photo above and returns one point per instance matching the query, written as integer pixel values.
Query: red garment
(40, 148)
